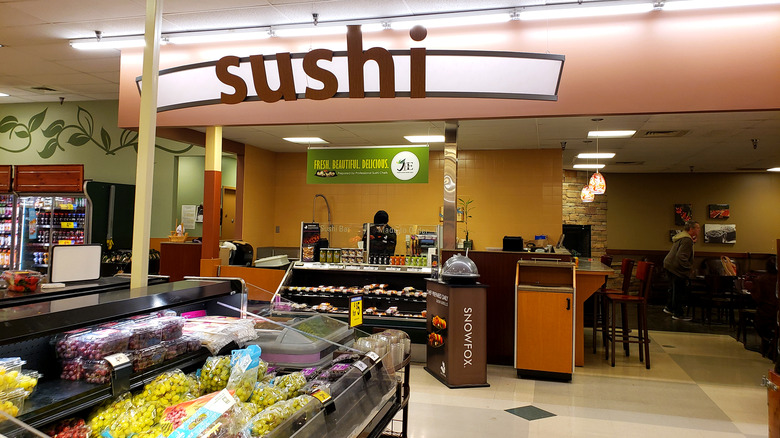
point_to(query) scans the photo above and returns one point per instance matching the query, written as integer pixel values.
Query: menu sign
(367, 165)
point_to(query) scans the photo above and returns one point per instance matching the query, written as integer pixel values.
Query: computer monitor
(560, 241)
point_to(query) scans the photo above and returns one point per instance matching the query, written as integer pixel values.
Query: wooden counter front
(178, 260)
(497, 269)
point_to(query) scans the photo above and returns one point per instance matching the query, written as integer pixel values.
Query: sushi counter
(149, 362)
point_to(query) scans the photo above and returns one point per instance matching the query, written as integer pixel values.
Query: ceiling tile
(80, 10)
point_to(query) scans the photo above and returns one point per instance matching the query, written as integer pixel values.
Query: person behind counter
(381, 236)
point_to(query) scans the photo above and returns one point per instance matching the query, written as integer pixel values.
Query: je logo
(405, 165)
(443, 369)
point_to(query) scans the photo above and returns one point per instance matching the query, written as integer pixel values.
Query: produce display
(72, 369)
(68, 428)
(265, 395)
(254, 398)
(96, 371)
(271, 417)
(22, 281)
(215, 373)
(148, 340)
(11, 402)
(15, 385)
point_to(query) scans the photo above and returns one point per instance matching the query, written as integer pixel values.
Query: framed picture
(720, 233)
(718, 211)
(682, 213)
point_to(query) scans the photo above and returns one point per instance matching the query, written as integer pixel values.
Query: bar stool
(602, 323)
(598, 298)
(644, 272)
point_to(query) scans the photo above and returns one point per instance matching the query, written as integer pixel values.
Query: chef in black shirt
(381, 236)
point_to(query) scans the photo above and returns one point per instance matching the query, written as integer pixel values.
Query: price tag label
(392, 268)
(373, 356)
(66, 206)
(64, 242)
(321, 395)
(355, 311)
(117, 359)
(361, 366)
(67, 225)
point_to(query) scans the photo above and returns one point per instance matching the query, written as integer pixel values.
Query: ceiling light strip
(453, 19)
(611, 134)
(588, 166)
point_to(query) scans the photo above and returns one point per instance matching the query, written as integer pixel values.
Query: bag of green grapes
(243, 375)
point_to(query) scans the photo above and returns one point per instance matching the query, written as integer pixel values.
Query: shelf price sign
(355, 311)
(67, 224)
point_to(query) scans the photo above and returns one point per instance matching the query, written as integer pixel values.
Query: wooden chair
(626, 270)
(644, 273)
(598, 305)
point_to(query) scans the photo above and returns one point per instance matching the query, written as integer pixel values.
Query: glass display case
(6, 229)
(46, 220)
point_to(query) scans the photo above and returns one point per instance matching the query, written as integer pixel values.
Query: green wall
(86, 133)
(189, 191)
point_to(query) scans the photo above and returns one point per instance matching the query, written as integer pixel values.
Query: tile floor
(700, 385)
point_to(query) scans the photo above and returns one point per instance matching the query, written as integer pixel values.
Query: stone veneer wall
(576, 212)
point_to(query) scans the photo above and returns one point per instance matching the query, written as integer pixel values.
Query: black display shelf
(57, 399)
(390, 298)
(50, 317)
(29, 329)
(73, 289)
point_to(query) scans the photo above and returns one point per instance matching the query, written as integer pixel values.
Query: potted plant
(464, 207)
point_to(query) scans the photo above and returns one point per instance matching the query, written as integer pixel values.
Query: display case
(29, 330)
(6, 229)
(393, 296)
(366, 398)
(44, 220)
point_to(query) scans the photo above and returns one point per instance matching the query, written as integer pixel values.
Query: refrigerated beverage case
(44, 221)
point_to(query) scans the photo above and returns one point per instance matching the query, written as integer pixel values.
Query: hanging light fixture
(587, 194)
(597, 183)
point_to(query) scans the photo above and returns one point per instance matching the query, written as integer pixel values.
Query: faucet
(314, 209)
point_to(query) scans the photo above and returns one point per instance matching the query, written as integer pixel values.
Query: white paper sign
(188, 215)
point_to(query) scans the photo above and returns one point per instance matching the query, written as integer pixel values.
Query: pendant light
(597, 183)
(587, 194)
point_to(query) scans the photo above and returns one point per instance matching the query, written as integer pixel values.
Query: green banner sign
(367, 165)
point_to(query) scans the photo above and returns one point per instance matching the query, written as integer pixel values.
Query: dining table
(590, 274)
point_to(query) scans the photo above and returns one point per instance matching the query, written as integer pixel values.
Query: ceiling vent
(659, 134)
(43, 90)
(629, 163)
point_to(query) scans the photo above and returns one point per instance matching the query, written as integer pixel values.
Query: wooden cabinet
(544, 319)
(49, 178)
(178, 260)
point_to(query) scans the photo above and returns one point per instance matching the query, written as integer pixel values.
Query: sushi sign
(367, 165)
(322, 74)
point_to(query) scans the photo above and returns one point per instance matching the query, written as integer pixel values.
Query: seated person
(381, 238)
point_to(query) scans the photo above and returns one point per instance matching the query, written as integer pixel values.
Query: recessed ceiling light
(610, 134)
(425, 138)
(602, 155)
(305, 140)
(774, 169)
(588, 166)
(3, 95)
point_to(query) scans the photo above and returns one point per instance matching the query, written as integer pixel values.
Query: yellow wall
(640, 208)
(515, 192)
(259, 196)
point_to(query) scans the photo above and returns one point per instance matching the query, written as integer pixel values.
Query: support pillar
(147, 129)
(450, 222)
(212, 191)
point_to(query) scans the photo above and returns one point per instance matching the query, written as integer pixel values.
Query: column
(212, 190)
